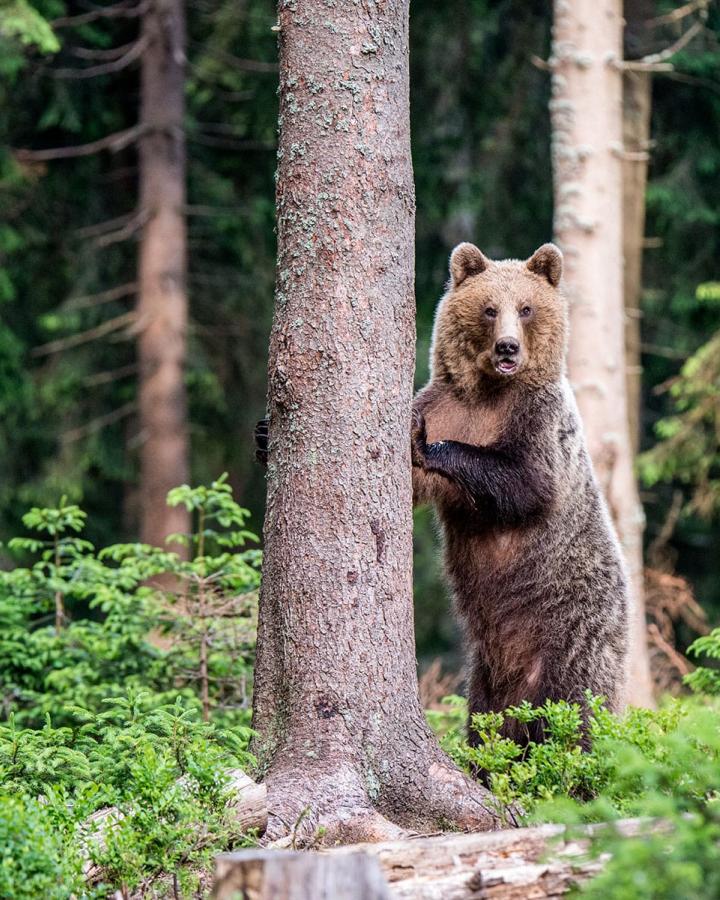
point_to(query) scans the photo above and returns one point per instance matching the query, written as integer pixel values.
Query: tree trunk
(637, 90)
(586, 111)
(162, 298)
(637, 98)
(343, 739)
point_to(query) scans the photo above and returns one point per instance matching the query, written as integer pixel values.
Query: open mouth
(506, 366)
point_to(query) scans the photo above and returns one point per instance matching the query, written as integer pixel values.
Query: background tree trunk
(343, 739)
(162, 295)
(586, 112)
(637, 102)
(637, 90)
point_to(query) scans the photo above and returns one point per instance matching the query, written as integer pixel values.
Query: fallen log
(516, 864)
(538, 862)
(248, 801)
(296, 875)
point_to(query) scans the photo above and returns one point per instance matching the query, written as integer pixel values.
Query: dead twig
(656, 61)
(677, 14)
(94, 54)
(435, 685)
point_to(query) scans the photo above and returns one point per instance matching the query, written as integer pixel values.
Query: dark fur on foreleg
(429, 487)
(501, 481)
(262, 437)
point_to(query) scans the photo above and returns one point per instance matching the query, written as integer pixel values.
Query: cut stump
(293, 875)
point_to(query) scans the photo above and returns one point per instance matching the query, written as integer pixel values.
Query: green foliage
(162, 774)
(558, 767)
(662, 765)
(99, 646)
(708, 292)
(688, 450)
(212, 629)
(704, 679)
(677, 784)
(35, 860)
(99, 717)
(212, 506)
(22, 22)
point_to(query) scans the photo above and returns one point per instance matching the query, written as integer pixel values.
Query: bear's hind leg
(478, 691)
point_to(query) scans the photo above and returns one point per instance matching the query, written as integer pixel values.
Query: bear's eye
(490, 313)
(525, 312)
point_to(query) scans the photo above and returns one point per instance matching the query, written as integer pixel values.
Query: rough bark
(162, 278)
(586, 112)
(343, 744)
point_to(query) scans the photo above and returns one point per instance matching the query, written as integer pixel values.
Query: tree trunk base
(314, 805)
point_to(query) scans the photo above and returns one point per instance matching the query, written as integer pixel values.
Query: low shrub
(125, 678)
(660, 765)
(35, 859)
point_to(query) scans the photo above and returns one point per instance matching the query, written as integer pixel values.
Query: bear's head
(500, 322)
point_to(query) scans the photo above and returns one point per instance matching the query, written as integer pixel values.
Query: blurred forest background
(75, 104)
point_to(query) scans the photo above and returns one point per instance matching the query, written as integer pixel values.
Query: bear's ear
(466, 260)
(548, 262)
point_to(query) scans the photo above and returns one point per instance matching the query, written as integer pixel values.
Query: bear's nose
(507, 346)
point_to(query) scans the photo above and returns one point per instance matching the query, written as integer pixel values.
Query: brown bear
(498, 448)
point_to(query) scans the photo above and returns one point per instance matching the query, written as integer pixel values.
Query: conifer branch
(84, 337)
(110, 375)
(237, 62)
(108, 296)
(97, 424)
(94, 54)
(112, 142)
(117, 11)
(131, 227)
(136, 50)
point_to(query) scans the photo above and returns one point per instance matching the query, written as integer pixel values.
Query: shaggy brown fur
(498, 448)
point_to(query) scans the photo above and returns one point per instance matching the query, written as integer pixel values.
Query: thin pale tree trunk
(343, 745)
(637, 91)
(162, 299)
(637, 102)
(586, 111)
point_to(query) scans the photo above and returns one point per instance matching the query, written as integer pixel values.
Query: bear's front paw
(262, 434)
(418, 440)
